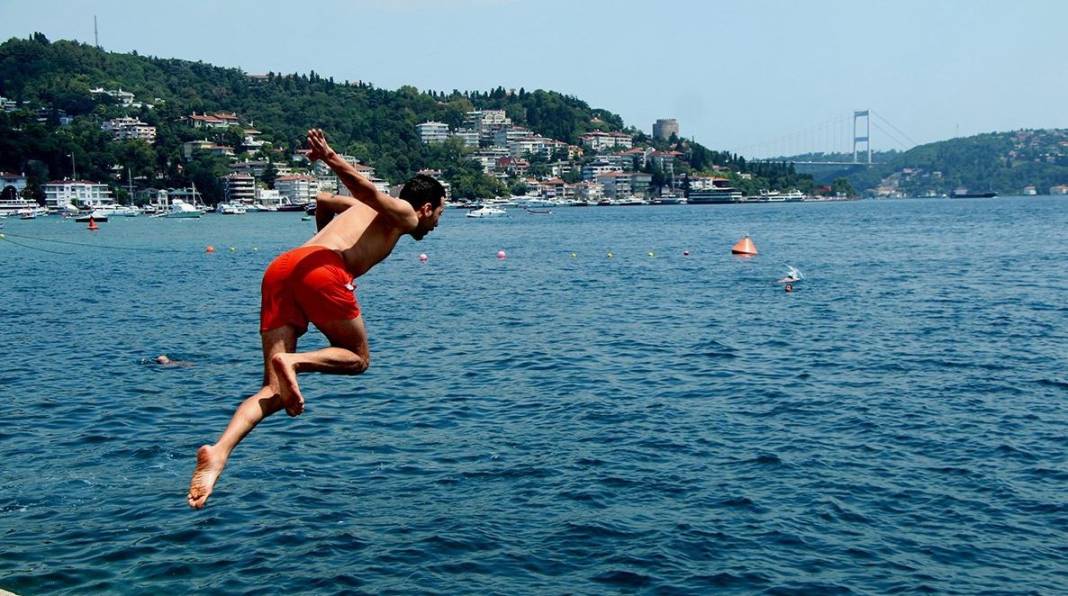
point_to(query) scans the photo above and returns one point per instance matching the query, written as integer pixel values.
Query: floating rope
(87, 244)
(55, 252)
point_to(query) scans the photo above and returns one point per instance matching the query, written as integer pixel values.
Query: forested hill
(1002, 162)
(361, 119)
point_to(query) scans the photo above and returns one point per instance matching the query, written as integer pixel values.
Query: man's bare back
(363, 236)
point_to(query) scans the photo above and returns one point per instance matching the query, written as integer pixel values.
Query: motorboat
(124, 211)
(487, 211)
(230, 209)
(179, 209)
(31, 212)
(97, 215)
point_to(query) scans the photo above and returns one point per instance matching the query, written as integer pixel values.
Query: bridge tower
(866, 139)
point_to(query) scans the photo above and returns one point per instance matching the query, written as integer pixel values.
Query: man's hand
(320, 149)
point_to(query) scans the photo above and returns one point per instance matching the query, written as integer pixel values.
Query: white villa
(61, 193)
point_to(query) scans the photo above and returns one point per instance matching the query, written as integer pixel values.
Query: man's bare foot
(288, 388)
(209, 466)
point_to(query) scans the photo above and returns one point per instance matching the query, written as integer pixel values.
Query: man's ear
(426, 210)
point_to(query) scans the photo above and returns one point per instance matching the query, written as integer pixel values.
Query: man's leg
(348, 354)
(211, 459)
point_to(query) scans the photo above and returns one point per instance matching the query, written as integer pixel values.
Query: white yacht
(230, 209)
(487, 211)
(179, 209)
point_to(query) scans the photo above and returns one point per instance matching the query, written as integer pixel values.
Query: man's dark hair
(423, 189)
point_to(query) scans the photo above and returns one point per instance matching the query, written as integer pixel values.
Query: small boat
(97, 215)
(179, 209)
(962, 193)
(487, 211)
(538, 211)
(32, 212)
(230, 209)
(292, 207)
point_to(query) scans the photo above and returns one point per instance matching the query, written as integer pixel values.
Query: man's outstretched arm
(328, 205)
(401, 212)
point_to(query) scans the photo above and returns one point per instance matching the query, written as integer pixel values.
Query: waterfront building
(596, 168)
(299, 188)
(664, 128)
(269, 198)
(709, 182)
(8, 105)
(432, 132)
(15, 182)
(589, 191)
(239, 188)
(615, 184)
(1060, 189)
(61, 193)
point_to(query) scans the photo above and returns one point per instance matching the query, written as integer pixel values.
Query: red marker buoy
(744, 246)
(92, 224)
(209, 249)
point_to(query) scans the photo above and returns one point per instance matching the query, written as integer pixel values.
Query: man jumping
(315, 283)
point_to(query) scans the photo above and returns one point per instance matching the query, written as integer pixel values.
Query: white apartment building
(433, 132)
(469, 137)
(8, 105)
(594, 169)
(61, 193)
(531, 145)
(268, 197)
(505, 136)
(589, 191)
(125, 97)
(239, 188)
(599, 141)
(482, 119)
(127, 128)
(615, 184)
(297, 189)
(665, 160)
(17, 181)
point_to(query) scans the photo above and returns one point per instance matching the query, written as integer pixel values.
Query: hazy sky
(759, 77)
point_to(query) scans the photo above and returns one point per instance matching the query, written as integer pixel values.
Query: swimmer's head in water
(163, 359)
(427, 197)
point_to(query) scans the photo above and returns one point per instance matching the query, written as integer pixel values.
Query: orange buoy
(209, 249)
(92, 224)
(744, 246)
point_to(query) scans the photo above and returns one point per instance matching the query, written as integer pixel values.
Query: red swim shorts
(309, 283)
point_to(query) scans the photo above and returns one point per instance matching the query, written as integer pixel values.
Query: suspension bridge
(831, 142)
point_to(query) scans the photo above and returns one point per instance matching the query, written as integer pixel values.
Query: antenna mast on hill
(96, 34)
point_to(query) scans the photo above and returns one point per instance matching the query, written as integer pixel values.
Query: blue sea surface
(558, 421)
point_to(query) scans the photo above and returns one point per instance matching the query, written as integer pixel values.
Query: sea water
(597, 412)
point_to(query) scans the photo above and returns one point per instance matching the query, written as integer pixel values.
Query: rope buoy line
(86, 244)
(4, 236)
